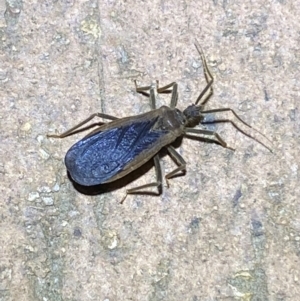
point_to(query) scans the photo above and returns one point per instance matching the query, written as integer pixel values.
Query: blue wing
(97, 158)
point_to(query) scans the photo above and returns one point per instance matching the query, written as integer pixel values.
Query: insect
(120, 146)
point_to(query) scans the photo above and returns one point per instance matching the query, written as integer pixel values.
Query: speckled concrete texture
(227, 230)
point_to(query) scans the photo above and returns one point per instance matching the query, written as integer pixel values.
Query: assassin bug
(120, 146)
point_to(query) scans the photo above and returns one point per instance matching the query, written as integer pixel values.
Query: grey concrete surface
(228, 230)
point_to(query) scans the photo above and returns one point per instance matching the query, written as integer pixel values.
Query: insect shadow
(105, 159)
